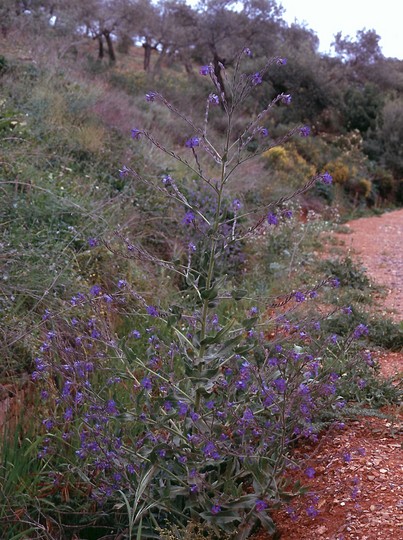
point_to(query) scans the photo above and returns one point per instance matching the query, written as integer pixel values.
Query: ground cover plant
(164, 410)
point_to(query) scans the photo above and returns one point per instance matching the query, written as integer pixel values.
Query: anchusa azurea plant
(191, 414)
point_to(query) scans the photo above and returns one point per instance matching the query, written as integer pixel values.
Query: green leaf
(238, 294)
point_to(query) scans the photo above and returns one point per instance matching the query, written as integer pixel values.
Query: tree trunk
(109, 42)
(160, 59)
(100, 47)
(147, 56)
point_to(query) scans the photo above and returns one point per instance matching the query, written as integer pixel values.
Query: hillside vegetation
(143, 277)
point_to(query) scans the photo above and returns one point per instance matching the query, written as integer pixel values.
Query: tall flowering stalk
(192, 414)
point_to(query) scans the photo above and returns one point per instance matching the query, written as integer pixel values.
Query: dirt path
(377, 242)
(357, 490)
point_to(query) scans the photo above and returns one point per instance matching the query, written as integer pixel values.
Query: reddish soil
(357, 490)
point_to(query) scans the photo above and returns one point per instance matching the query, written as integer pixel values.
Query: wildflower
(256, 79)
(152, 311)
(304, 131)
(310, 472)
(286, 99)
(191, 246)
(95, 290)
(136, 334)
(281, 61)
(327, 178)
(236, 204)
(299, 296)
(311, 511)
(213, 99)
(247, 51)
(146, 383)
(92, 242)
(360, 330)
(205, 70)
(347, 457)
(150, 96)
(264, 132)
(122, 284)
(260, 505)
(215, 509)
(167, 180)
(189, 218)
(124, 171)
(280, 384)
(46, 315)
(272, 219)
(347, 310)
(192, 142)
(136, 133)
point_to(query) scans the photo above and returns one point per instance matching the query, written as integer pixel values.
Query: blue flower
(124, 171)
(152, 311)
(247, 51)
(299, 296)
(326, 178)
(304, 131)
(256, 79)
(260, 505)
(213, 99)
(272, 219)
(286, 99)
(215, 509)
(192, 142)
(136, 133)
(189, 218)
(310, 472)
(281, 61)
(150, 96)
(205, 70)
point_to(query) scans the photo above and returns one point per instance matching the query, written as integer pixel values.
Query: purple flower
(260, 505)
(152, 311)
(263, 132)
(360, 330)
(304, 131)
(189, 218)
(280, 384)
(236, 204)
(92, 242)
(136, 334)
(347, 457)
(213, 99)
(310, 472)
(95, 290)
(167, 180)
(122, 284)
(256, 79)
(150, 96)
(215, 509)
(281, 61)
(136, 133)
(286, 99)
(347, 310)
(272, 219)
(247, 51)
(205, 70)
(124, 171)
(191, 247)
(192, 142)
(311, 511)
(326, 178)
(299, 297)
(146, 383)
